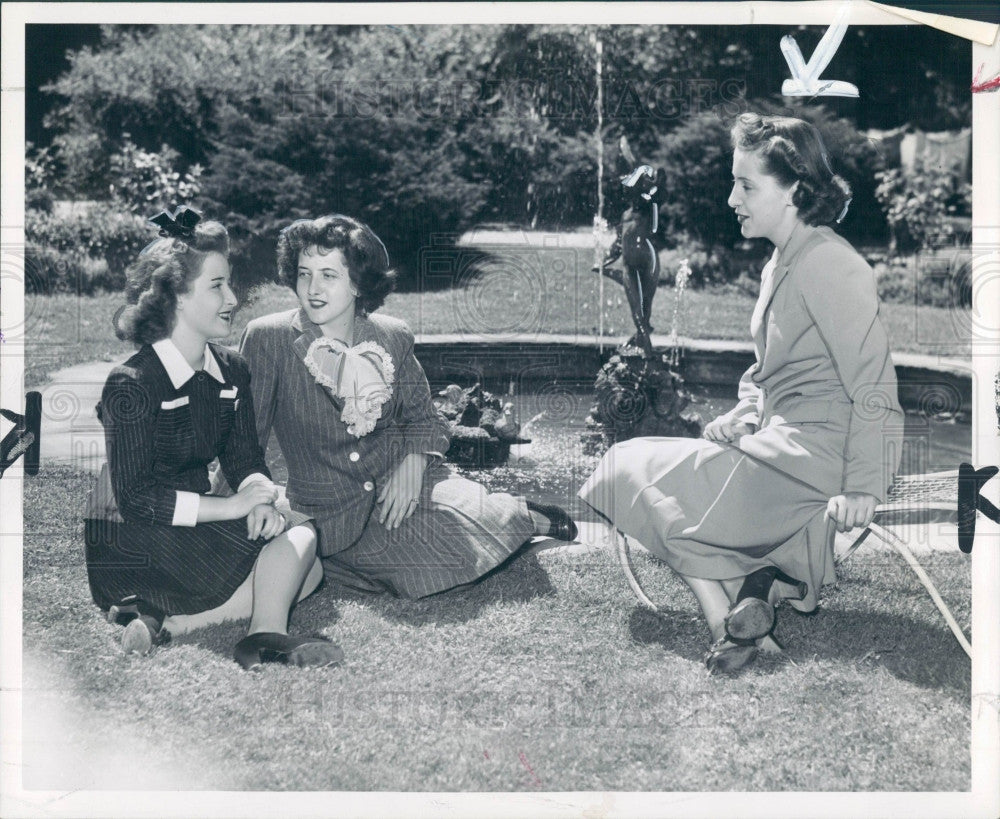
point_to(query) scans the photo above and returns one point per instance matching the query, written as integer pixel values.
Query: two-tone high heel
(728, 655)
(143, 624)
(752, 616)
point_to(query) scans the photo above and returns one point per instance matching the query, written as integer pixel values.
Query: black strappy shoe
(752, 616)
(728, 655)
(561, 525)
(143, 624)
(271, 647)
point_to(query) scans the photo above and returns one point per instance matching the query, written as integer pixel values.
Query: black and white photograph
(455, 409)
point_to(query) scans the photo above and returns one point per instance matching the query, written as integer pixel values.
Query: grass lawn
(546, 291)
(546, 676)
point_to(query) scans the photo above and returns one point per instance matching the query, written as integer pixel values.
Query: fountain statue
(644, 192)
(640, 392)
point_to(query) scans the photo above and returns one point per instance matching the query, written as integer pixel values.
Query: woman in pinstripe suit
(163, 556)
(364, 444)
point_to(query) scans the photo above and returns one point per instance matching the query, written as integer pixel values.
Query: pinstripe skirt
(458, 532)
(180, 569)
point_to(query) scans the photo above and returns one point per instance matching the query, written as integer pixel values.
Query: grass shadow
(910, 648)
(519, 579)
(676, 631)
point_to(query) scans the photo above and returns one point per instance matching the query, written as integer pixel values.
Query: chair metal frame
(937, 491)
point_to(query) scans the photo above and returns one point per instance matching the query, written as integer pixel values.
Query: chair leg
(901, 547)
(854, 546)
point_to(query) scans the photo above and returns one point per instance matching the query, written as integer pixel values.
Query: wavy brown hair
(366, 256)
(164, 271)
(791, 151)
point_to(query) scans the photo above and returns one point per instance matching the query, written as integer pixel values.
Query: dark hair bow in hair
(177, 225)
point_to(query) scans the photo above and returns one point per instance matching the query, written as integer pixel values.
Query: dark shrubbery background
(425, 131)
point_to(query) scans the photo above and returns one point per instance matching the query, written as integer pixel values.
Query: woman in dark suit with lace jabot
(364, 443)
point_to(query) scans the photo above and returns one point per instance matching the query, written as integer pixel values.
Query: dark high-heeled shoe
(561, 525)
(271, 647)
(143, 624)
(728, 655)
(752, 616)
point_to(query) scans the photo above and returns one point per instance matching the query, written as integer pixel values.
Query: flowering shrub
(918, 203)
(81, 248)
(941, 278)
(146, 182)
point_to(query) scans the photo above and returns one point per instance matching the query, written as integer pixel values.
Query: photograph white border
(984, 797)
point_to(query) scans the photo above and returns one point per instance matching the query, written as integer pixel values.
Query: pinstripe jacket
(332, 474)
(822, 393)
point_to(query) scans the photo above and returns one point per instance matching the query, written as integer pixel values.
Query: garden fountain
(639, 392)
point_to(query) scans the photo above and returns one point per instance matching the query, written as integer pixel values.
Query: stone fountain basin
(551, 380)
(930, 385)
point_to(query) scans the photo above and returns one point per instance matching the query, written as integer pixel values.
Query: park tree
(419, 130)
(422, 131)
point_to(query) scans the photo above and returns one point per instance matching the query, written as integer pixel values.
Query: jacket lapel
(757, 321)
(774, 274)
(307, 334)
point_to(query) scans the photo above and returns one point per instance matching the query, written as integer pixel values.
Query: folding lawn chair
(909, 494)
(919, 494)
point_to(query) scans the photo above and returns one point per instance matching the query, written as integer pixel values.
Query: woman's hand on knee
(725, 430)
(251, 495)
(851, 510)
(400, 494)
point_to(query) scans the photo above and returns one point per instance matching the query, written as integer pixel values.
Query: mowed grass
(546, 290)
(545, 676)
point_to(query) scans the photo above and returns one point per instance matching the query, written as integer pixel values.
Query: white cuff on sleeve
(186, 509)
(253, 477)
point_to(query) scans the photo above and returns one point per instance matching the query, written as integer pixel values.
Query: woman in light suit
(816, 434)
(363, 441)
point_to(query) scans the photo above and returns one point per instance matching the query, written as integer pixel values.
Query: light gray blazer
(822, 393)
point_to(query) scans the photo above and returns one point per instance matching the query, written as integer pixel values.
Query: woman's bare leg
(240, 605)
(715, 597)
(714, 602)
(732, 587)
(278, 575)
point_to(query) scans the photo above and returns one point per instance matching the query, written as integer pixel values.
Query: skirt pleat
(180, 569)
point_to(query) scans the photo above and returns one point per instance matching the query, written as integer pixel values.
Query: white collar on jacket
(178, 369)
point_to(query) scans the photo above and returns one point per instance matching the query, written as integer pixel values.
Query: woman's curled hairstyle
(366, 256)
(792, 150)
(164, 270)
